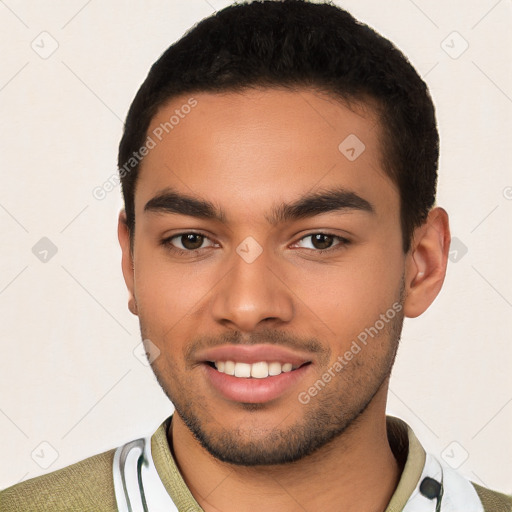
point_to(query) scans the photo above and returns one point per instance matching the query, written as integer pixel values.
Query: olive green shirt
(88, 484)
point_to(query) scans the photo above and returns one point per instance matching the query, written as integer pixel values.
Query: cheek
(167, 292)
(351, 296)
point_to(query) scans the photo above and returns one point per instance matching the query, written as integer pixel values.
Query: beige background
(68, 376)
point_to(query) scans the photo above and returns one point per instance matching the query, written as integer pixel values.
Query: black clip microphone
(431, 489)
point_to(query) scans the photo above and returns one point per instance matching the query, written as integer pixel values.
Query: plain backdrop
(72, 382)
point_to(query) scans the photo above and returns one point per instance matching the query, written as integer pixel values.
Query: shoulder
(493, 501)
(86, 485)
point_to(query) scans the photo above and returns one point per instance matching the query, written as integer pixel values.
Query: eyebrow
(310, 205)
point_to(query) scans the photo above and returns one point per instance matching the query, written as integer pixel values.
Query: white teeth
(274, 368)
(242, 370)
(229, 367)
(259, 370)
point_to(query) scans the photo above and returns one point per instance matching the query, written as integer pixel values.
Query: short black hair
(296, 44)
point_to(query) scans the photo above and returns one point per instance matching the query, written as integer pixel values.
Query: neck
(337, 477)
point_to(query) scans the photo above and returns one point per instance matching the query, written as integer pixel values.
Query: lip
(254, 354)
(250, 390)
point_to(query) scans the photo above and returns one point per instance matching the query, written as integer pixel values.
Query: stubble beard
(336, 408)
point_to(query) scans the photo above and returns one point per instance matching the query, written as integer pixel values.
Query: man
(279, 168)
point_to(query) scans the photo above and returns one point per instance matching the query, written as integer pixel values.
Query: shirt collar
(406, 449)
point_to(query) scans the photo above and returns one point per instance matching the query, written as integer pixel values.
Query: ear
(123, 234)
(426, 262)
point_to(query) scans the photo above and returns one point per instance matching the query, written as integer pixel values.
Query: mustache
(267, 336)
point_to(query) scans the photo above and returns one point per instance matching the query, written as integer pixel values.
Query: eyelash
(343, 242)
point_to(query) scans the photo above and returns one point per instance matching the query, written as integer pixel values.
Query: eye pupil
(192, 241)
(325, 240)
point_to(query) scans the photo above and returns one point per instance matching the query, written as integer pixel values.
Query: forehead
(251, 145)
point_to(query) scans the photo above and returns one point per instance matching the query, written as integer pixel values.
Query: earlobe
(127, 262)
(426, 262)
(132, 305)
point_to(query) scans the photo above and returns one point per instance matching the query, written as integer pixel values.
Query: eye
(322, 242)
(187, 242)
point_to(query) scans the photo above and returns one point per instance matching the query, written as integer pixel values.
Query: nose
(253, 292)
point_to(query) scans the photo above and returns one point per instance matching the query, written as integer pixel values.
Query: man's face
(252, 285)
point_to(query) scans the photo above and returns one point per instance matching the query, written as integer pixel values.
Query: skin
(248, 152)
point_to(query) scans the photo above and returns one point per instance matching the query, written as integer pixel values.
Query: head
(279, 168)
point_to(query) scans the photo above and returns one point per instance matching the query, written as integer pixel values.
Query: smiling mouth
(258, 370)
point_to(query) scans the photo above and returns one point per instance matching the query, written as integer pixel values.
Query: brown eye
(321, 241)
(187, 242)
(192, 241)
